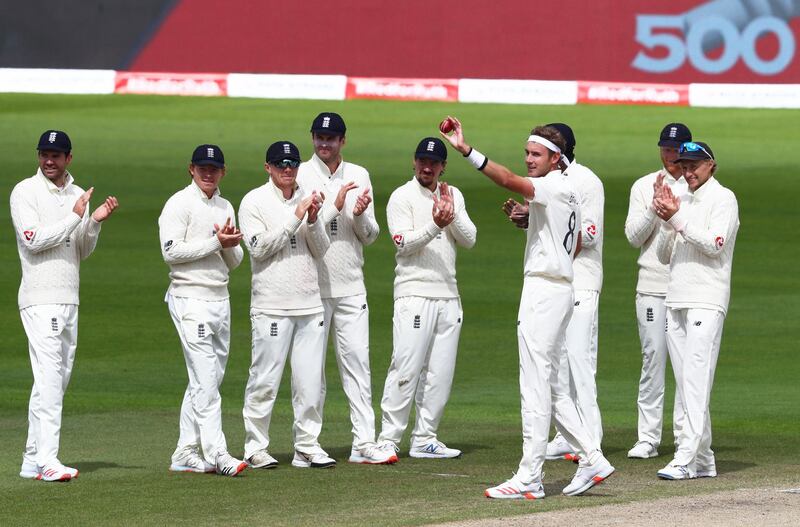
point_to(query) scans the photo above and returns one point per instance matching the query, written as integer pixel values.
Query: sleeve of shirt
(88, 233)
(232, 256)
(541, 191)
(317, 239)
(401, 227)
(35, 236)
(462, 228)
(665, 243)
(329, 210)
(172, 227)
(641, 218)
(264, 240)
(366, 226)
(592, 203)
(710, 241)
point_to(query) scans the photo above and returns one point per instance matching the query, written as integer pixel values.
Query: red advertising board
(682, 41)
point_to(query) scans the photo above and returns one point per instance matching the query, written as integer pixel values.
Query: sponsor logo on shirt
(167, 245)
(720, 241)
(253, 241)
(28, 235)
(592, 229)
(398, 240)
(573, 199)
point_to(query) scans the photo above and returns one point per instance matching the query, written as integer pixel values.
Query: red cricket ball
(447, 125)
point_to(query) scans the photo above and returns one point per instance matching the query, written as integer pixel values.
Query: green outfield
(121, 410)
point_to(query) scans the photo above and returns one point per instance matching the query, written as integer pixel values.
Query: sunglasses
(286, 163)
(693, 147)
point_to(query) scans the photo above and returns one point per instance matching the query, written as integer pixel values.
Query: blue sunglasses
(284, 163)
(693, 147)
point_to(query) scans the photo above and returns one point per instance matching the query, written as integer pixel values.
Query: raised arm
(172, 226)
(642, 218)
(463, 230)
(264, 240)
(36, 236)
(365, 225)
(401, 227)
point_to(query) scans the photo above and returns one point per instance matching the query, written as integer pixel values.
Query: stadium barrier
(340, 87)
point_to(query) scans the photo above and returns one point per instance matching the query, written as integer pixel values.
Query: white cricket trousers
(651, 315)
(693, 338)
(544, 313)
(274, 338)
(52, 331)
(205, 330)
(578, 366)
(349, 318)
(425, 337)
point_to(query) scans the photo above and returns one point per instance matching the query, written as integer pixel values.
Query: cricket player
(200, 243)
(54, 233)
(280, 224)
(427, 219)
(349, 217)
(641, 229)
(578, 367)
(696, 241)
(553, 237)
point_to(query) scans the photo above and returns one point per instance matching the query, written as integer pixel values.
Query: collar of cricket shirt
(278, 192)
(202, 194)
(52, 187)
(700, 193)
(323, 169)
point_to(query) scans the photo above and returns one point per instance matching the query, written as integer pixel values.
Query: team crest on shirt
(253, 241)
(398, 240)
(167, 245)
(592, 229)
(719, 241)
(28, 235)
(573, 199)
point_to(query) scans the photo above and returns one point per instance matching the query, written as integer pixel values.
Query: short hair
(552, 135)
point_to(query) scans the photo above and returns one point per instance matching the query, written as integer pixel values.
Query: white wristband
(477, 159)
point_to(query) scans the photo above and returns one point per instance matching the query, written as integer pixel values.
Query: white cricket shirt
(698, 243)
(198, 265)
(426, 254)
(51, 240)
(554, 222)
(588, 265)
(641, 229)
(282, 252)
(341, 270)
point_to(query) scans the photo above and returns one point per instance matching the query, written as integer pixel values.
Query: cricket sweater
(697, 242)
(282, 250)
(587, 266)
(198, 265)
(51, 240)
(641, 229)
(426, 254)
(341, 270)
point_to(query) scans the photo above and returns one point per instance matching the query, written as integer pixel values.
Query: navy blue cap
(328, 123)
(674, 135)
(280, 150)
(569, 138)
(208, 155)
(431, 148)
(55, 140)
(694, 150)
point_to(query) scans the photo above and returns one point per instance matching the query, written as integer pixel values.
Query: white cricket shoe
(227, 465)
(559, 448)
(373, 455)
(262, 459)
(316, 460)
(389, 446)
(642, 450)
(29, 470)
(675, 472)
(57, 472)
(188, 459)
(514, 488)
(588, 476)
(709, 471)
(433, 450)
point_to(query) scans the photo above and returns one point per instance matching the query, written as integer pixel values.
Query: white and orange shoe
(55, 471)
(373, 455)
(559, 448)
(227, 465)
(588, 476)
(514, 488)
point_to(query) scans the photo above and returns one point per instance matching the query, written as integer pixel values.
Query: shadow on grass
(93, 466)
(730, 465)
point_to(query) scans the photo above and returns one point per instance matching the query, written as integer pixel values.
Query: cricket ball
(447, 125)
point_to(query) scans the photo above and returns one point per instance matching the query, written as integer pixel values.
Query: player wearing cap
(641, 229)
(286, 310)
(427, 219)
(54, 232)
(200, 243)
(578, 367)
(553, 236)
(349, 218)
(696, 241)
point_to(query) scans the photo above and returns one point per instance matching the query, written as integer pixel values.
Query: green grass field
(121, 410)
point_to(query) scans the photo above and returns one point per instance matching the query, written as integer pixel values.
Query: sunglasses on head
(286, 163)
(693, 147)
